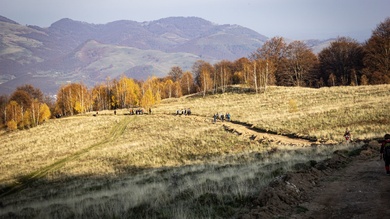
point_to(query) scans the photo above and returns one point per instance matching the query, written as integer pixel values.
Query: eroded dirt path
(349, 187)
(255, 135)
(343, 186)
(361, 190)
(252, 134)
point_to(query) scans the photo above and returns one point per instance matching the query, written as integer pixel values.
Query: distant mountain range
(74, 51)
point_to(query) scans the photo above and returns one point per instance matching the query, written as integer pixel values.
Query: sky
(291, 19)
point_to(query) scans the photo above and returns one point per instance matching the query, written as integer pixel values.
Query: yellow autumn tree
(177, 89)
(187, 83)
(14, 112)
(151, 93)
(100, 98)
(27, 118)
(147, 99)
(205, 80)
(131, 92)
(73, 99)
(44, 113)
(168, 88)
(34, 113)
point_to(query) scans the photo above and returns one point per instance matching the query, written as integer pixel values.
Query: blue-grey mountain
(75, 51)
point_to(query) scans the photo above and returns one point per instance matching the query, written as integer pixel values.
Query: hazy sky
(294, 19)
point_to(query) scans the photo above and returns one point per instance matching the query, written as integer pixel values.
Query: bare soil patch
(346, 186)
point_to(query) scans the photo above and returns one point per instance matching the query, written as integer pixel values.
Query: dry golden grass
(153, 160)
(23, 152)
(156, 141)
(324, 112)
(166, 140)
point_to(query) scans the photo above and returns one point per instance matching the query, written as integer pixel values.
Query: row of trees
(122, 93)
(343, 62)
(25, 108)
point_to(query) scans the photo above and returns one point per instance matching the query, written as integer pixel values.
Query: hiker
(228, 117)
(347, 135)
(215, 118)
(150, 111)
(385, 152)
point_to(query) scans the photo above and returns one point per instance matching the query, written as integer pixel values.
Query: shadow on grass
(260, 130)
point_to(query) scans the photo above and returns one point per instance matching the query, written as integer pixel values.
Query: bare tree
(187, 83)
(341, 58)
(299, 64)
(176, 73)
(273, 51)
(377, 58)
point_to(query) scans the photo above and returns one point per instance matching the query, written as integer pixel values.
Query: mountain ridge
(138, 49)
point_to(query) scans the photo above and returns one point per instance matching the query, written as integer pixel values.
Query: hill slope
(45, 57)
(177, 166)
(29, 52)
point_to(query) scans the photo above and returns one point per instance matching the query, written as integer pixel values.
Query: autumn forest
(345, 62)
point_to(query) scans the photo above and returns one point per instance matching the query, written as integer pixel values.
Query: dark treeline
(345, 62)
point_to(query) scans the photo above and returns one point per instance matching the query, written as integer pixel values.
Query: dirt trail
(341, 187)
(252, 134)
(361, 190)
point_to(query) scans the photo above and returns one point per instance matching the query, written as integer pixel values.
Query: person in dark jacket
(385, 152)
(347, 135)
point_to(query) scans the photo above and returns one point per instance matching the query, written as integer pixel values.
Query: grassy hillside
(323, 113)
(168, 166)
(15, 46)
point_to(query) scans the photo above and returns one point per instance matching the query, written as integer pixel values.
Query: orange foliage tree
(187, 83)
(73, 99)
(26, 108)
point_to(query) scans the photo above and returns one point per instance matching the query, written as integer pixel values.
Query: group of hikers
(183, 112)
(221, 117)
(139, 111)
(132, 111)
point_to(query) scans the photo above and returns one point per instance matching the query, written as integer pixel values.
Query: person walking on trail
(385, 152)
(347, 135)
(215, 118)
(228, 117)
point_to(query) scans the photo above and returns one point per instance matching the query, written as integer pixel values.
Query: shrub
(12, 125)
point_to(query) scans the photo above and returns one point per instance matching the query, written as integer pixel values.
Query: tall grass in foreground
(210, 190)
